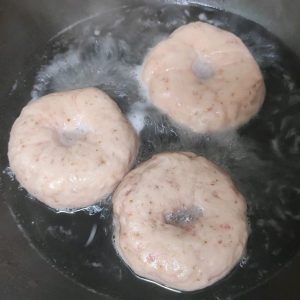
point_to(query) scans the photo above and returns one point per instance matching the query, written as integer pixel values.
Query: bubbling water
(262, 157)
(110, 57)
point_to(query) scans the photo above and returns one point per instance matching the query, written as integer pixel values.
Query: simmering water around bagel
(262, 157)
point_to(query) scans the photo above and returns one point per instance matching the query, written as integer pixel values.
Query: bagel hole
(203, 69)
(184, 216)
(69, 137)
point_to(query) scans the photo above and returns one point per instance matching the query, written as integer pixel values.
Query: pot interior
(106, 50)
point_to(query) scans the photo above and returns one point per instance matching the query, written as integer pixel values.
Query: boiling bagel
(179, 221)
(70, 149)
(204, 78)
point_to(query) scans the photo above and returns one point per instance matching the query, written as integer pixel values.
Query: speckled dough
(204, 78)
(179, 221)
(71, 149)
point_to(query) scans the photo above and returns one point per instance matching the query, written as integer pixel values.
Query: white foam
(9, 172)
(202, 17)
(244, 261)
(137, 119)
(96, 32)
(91, 210)
(59, 64)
